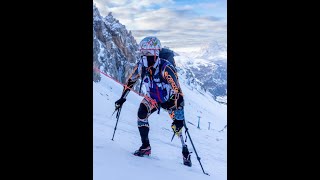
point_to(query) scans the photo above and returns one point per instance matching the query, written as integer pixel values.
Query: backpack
(168, 55)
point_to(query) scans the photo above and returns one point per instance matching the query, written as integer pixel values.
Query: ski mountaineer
(163, 91)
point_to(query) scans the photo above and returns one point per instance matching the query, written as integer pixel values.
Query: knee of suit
(143, 123)
(142, 112)
(143, 116)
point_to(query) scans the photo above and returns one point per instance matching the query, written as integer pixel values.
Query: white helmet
(149, 46)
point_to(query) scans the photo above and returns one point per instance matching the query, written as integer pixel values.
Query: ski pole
(117, 116)
(173, 136)
(185, 126)
(114, 111)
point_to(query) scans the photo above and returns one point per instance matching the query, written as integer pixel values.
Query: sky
(114, 159)
(183, 25)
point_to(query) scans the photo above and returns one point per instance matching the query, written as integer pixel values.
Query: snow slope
(113, 160)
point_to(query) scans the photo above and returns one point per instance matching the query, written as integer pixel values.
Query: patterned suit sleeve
(133, 78)
(170, 74)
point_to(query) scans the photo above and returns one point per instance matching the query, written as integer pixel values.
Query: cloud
(207, 5)
(185, 7)
(213, 18)
(176, 26)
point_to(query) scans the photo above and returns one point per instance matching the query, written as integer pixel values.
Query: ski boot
(143, 150)
(186, 156)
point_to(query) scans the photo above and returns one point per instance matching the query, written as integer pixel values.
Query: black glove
(177, 126)
(119, 102)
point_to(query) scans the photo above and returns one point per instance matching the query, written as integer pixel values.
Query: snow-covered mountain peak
(213, 51)
(114, 48)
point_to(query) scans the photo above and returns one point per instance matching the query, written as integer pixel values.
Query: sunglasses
(149, 52)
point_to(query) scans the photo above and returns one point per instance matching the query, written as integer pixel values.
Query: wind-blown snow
(113, 160)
